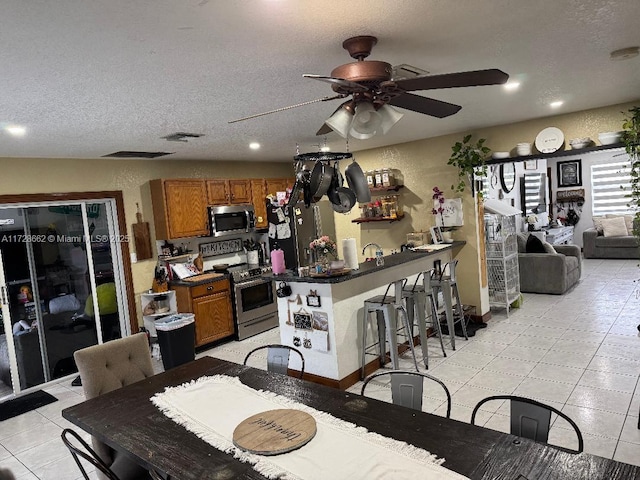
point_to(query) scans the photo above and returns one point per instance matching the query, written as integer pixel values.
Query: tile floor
(579, 352)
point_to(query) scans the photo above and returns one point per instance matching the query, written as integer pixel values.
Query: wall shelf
(383, 190)
(377, 219)
(559, 153)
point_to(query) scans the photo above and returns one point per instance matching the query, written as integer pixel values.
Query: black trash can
(177, 339)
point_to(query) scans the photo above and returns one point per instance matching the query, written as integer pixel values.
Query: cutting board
(275, 431)
(142, 238)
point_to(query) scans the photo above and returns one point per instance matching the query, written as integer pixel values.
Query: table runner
(211, 407)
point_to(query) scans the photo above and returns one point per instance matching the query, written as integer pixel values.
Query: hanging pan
(357, 182)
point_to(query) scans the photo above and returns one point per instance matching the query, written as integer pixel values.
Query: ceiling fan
(372, 89)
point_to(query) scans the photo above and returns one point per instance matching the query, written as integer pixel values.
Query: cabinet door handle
(5, 297)
(209, 288)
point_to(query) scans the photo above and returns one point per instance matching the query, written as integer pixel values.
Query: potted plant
(631, 140)
(469, 157)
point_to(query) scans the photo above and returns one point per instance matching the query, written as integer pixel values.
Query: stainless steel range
(255, 301)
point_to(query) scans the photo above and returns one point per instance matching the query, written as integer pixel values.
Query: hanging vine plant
(631, 140)
(469, 157)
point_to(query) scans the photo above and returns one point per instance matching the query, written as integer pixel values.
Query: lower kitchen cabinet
(211, 304)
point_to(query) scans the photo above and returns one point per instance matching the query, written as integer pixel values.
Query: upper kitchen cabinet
(274, 185)
(258, 194)
(227, 192)
(179, 208)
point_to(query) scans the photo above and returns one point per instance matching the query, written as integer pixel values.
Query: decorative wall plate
(549, 140)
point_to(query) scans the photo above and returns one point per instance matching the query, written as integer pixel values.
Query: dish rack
(501, 246)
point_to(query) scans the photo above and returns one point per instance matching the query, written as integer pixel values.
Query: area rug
(24, 404)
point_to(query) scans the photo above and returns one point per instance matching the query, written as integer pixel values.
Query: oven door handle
(251, 283)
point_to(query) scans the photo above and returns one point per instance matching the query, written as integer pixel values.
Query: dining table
(126, 420)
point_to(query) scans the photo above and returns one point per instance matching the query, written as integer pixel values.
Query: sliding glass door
(62, 288)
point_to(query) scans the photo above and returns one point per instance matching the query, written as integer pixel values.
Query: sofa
(607, 238)
(552, 272)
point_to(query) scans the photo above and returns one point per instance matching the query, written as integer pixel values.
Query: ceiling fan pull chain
(347, 142)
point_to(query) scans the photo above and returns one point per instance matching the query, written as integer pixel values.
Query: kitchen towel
(212, 407)
(350, 253)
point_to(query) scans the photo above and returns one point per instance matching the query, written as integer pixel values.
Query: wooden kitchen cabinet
(274, 185)
(179, 208)
(258, 196)
(228, 192)
(211, 305)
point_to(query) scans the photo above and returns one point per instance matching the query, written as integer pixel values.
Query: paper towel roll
(350, 253)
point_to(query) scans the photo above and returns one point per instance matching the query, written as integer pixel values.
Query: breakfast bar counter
(322, 316)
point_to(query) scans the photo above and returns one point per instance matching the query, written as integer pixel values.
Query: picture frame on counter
(436, 235)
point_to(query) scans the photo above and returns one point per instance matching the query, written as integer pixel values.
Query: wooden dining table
(126, 420)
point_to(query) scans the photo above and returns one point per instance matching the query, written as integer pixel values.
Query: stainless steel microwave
(231, 220)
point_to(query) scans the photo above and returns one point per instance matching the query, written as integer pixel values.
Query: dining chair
(278, 358)
(532, 419)
(407, 388)
(107, 367)
(81, 450)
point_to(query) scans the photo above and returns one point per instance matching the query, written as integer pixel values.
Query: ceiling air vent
(129, 154)
(182, 136)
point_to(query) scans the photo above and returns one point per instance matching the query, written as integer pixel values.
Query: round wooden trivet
(275, 431)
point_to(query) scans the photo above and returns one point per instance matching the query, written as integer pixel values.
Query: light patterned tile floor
(579, 352)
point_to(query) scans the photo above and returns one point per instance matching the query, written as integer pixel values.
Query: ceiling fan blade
(428, 106)
(450, 80)
(324, 130)
(352, 86)
(323, 99)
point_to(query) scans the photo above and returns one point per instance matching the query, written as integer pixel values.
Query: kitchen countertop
(366, 268)
(184, 283)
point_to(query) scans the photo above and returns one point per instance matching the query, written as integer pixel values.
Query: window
(610, 187)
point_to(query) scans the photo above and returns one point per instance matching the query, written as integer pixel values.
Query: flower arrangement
(438, 196)
(323, 246)
(531, 222)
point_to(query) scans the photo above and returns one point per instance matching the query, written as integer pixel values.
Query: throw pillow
(597, 223)
(534, 245)
(614, 227)
(548, 248)
(522, 242)
(628, 221)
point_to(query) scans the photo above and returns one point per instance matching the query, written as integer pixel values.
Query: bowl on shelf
(578, 143)
(499, 155)
(523, 149)
(609, 138)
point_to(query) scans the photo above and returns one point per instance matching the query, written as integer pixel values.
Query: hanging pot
(336, 183)
(320, 181)
(302, 181)
(357, 182)
(347, 200)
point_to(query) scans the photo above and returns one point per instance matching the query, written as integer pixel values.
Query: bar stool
(416, 299)
(446, 284)
(387, 309)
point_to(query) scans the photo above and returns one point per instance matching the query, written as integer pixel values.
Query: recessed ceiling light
(254, 145)
(326, 148)
(16, 130)
(510, 86)
(556, 104)
(625, 53)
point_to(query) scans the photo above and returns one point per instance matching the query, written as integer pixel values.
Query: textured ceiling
(87, 78)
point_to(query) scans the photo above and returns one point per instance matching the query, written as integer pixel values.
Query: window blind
(610, 187)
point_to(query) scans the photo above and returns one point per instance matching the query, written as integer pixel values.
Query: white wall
(587, 160)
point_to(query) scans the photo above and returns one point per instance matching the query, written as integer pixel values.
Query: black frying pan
(321, 177)
(357, 182)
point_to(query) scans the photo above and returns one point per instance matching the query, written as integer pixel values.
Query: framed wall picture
(436, 235)
(531, 164)
(570, 173)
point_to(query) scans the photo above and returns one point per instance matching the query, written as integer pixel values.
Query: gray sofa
(596, 245)
(548, 272)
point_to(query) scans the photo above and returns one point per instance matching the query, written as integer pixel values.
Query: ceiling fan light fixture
(366, 121)
(340, 122)
(390, 116)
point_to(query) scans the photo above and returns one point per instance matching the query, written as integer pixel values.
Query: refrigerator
(305, 224)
